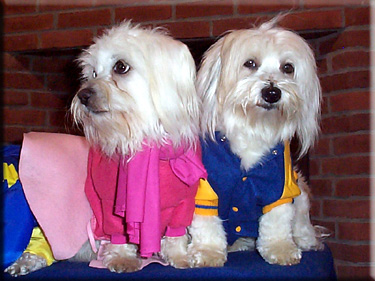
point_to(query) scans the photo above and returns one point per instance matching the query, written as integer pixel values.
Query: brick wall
(42, 38)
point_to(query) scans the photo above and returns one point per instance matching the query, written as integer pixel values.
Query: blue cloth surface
(315, 265)
(17, 221)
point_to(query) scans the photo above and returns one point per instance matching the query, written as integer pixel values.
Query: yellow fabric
(291, 188)
(38, 245)
(206, 200)
(10, 174)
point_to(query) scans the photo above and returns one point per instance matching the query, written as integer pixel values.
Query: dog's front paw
(25, 264)
(121, 258)
(200, 256)
(280, 252)
(123, 264)
(178, 262)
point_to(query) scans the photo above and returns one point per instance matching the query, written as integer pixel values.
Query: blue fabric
(17, 221)
(240, 266)
(248, 196)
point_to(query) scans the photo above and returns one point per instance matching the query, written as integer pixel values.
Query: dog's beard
(113, 133)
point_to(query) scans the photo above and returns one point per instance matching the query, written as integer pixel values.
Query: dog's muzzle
(271, 94)
(84, 95)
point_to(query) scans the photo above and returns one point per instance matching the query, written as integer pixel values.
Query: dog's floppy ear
(207, 85)
(172, 76)
(308, 126)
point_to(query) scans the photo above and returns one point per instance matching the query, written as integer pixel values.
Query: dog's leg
(306, 236)
(25, 264)
(275, 242)
(174, 251)
(121, 257)
(242, 244)
(208, 247)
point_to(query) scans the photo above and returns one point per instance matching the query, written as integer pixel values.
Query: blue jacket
(245, 195)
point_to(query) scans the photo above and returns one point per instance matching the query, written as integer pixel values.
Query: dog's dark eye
(251, 64)
(121, 67)
(287, 68)
(94, 75)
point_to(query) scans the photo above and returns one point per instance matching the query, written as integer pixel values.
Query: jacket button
(274, 152)
(238, 228)
(244, 178)
(235, 209)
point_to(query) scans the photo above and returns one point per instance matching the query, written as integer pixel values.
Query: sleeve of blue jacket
(17, 219)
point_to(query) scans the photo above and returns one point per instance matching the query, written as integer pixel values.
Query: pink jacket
(141, 199)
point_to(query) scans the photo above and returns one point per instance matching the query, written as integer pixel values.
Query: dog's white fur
(232, 103)
(149, 96)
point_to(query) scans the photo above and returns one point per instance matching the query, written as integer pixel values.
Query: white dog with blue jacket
(259, 89)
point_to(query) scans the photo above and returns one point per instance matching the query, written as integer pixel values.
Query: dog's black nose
(85, 94)
(271, 94)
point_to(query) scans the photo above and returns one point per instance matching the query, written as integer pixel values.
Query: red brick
(48, 100)
(347, 38)
(313, 20)
(325, 3)
(20, 42)
(351, 144)
(59, 119)
(16, 62)
(55, 5)
(322, 147)
(314, 166)
(352, 209)
(84, 18)
(190, 30)
(346, 123)
(204, 9)
(98, 3)
(356, 231)
(221, 26)
(144, 13)
(322, 66)
(350, 59)
(15, 97)
(321, 187)
(357, 16)
(60, 83)
(14, 135)
(354, 165)
(347, 80)
(19, 7)
(353, 187)
(66, 38)
(353, 272)
(24, 117)
(247, 7)
(350, 253)
(350, 101)
(316, 207)
(23, 81)
(324, 105)
(28, 23)
(52, 64)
